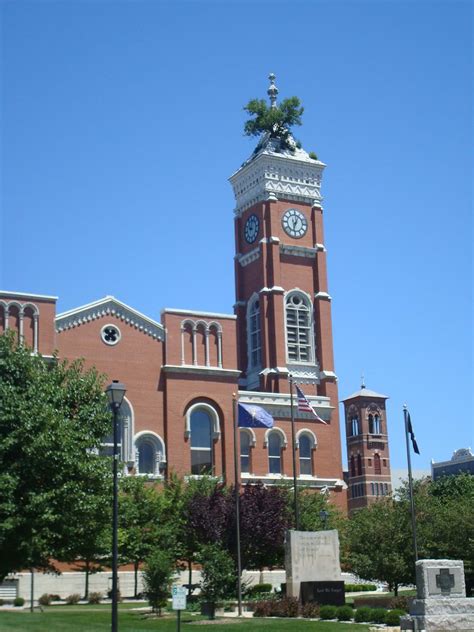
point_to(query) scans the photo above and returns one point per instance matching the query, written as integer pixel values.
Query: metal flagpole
(410, 484)
(293, 442)
(237, 511)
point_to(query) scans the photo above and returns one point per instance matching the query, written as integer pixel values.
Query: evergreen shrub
(328, 612)
(362, 615)
(344, 613)
(377, 615)
(18, 602)
(392, 617)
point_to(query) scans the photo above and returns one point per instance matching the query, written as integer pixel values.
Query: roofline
(27, 295)
(101, 301)
(189, 312)
(374, 395)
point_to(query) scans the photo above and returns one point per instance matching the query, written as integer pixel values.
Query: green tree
(219, 578)
(52, 419)
(157, 577)
(380, 545)
(139, 522)
(274, 121)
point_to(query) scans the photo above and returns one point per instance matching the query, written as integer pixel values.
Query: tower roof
(365, 392)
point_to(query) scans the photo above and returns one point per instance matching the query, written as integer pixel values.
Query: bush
(257, 590)
(45, 600)
(377, 615)
(18, 602)
(263, 608)
(95, 597)
(1, 602)
(71, 600)
(359, 587)
(362, 615)
(328, 612)
(402, 602)
(344, 613)
(218, 573)
(157, 576)
(284, 607)
(55, 597)
(392, 617)
(119, 595)
(310, 610)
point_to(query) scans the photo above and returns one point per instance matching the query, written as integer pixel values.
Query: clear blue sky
(123, 120)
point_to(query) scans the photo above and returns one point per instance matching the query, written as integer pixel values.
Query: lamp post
(324, 515)
(115, 394)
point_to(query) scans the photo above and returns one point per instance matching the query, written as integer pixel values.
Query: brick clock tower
(367, 448)
(283, 307)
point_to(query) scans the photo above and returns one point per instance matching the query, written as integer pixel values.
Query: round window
(110, 334)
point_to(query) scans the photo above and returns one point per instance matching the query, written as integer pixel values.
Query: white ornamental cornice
(106, 307)
(298, 251)
(286, 176)
(248, 257)
(279, 404)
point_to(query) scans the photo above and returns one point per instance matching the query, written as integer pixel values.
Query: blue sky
(123, 120)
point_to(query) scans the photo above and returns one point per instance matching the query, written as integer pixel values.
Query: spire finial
(272, 91)
(362, 381)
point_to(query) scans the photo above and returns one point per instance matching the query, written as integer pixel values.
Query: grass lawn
(90, 619)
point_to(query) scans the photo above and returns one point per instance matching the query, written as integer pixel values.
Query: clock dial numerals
(251, 229)
(294, 223)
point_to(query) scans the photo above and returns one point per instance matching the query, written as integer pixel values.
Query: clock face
(294, 223)
(251, 229)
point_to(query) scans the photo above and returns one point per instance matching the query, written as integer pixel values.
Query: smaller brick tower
(367, 448)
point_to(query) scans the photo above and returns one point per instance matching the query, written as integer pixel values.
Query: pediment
(106, 307)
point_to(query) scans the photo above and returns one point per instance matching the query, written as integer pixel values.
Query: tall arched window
(377, 425)
(245, 444)
(149, 454)
(353, 466)
(201, 442)
(354, 427)
(305, 445)
(377, 465)
(274, 453)
(255, 339)
(299, 335)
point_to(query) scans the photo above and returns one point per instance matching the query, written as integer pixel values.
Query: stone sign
(441, 602)
(330, 593)
(311, 556)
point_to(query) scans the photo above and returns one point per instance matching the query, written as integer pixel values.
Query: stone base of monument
(324, 593)
(441, 602)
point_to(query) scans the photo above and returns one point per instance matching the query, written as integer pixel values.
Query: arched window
(254, 333)
(305, 446)
(245, 445)
(354, 427)
(274, 453)
(377, 465)
(201, 425)
(149, 454)
(299, 335)
(377, 425)
(359, 465)
(353, 466)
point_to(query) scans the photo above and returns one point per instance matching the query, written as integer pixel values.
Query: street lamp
(115, 394)
(323, 515)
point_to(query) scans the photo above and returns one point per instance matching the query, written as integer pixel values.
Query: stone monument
(312, 564)
(441, 602)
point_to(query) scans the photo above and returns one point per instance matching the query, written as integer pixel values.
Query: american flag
(305, 407)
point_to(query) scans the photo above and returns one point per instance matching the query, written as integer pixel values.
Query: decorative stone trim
(277, 431)
(201, 370)
(279, 404)
(324, 296)
(335, 484)
(270, 240)
(275, 289)
(271, 175)
(310, 434)
(190, 312)
(328, 375)
(24, 295)
(109, 306)
(305, 374)
(320, 247)
(253, 438)
(298, 251)
(248, 257)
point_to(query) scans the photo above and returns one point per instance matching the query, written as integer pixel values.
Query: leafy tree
(157, 577)
(218, 573)
(274, 121)
(380, 543)
(139, 522)
(52, 418)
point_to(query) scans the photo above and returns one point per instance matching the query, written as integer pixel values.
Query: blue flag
(251, 416)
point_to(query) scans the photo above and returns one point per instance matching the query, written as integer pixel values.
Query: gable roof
(109, 306)
(365, 392)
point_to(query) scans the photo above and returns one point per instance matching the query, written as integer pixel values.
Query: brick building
(182, 371)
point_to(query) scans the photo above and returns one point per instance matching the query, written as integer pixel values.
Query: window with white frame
(299, 337)
(245, 446)
(254, 333)
(201, 425)
(274, 452)
(354, 425)
(125, 434)
(305, 449)
(149, 454)
(375, 427)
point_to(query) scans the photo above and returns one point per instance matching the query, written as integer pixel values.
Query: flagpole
(410, 484)
(293, 442)
(237, 510)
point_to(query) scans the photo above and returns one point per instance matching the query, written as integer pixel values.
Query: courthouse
(182, 369)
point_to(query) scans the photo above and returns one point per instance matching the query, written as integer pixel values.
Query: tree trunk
(190, 577)
(395, 590)
(86, 591)
(135, 590)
